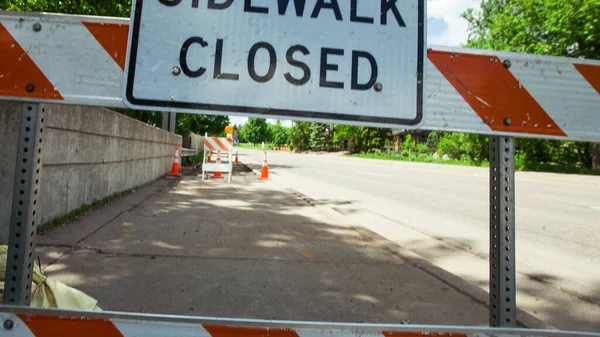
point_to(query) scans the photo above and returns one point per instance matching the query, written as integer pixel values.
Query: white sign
(340, 61)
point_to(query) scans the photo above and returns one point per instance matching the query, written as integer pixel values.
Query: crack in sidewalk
(74, 247)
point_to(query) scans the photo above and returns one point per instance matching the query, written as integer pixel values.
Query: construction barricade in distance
(220, 150)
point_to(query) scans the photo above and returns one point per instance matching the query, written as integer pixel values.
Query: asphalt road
(557, 229)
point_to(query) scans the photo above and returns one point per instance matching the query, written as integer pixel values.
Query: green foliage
(421, 158)
(548, 27)
(201, 124)
(281, 134)
(466, 147)
(344, 136)
(256, 130)
(320, 137)
(299, 135)
(121, 8)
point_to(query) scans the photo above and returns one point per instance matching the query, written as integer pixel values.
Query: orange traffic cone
(264, 173)
(208, 156)
(218, 174)
(236, 157)
(175, 167)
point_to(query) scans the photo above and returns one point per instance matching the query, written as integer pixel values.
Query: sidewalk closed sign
(334, 61)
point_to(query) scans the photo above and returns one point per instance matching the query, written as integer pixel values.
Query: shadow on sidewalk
(246, 250)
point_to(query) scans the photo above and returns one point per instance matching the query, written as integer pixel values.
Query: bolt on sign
(343, 61)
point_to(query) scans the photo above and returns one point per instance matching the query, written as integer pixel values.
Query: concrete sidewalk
(248, 250)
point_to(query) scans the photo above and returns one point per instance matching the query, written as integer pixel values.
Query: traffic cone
(175, 167)
(264, 173)
(236, 157)
(218, 174)
(208, 157)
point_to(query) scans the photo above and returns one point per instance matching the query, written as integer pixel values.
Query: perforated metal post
(25, 207)
(502, 233)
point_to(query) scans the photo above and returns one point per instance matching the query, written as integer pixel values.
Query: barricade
(222, 147)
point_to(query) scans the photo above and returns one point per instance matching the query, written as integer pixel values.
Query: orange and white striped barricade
(222, 147)
(466, 90)
(34, 322)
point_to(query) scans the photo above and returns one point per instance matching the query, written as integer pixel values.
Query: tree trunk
(596, 156)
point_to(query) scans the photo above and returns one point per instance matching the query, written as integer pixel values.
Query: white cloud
(449, 11)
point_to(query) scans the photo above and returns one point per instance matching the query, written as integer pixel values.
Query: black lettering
(354, 16)
(327, 66)
(183, 56)
(170, 3)
(253, 9)
(390, 5)
(212, 4)
(272, 62)
(322, 4)
(298, 4)
(218, 61)
(374, 71)
(290, 58)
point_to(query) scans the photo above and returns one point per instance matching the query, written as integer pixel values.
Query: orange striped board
(218, 144)
(19, 75)
(35, 322)
(112, 37)
(494, 93)
(473, 91)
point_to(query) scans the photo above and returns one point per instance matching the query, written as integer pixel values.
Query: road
(442, 212)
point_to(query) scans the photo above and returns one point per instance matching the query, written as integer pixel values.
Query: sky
(445, 27)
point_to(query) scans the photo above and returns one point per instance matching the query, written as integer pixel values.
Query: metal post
(503, 309)
(165, 121)
(169, 120)
(25, 207)
(172, 121)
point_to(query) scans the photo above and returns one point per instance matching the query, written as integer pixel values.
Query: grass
(519, 166)
(555, 168)
(61, 220)
(252, 146)
(416, 159)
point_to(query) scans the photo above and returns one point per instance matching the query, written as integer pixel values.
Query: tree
(547, 27)
(281, 135)
(320, 137)
(299, 135)
(255, 130)
(200, 124)
(345, 136)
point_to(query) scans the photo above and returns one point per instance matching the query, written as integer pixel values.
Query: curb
(255, 171)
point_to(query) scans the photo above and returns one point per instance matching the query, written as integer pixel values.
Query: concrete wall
(88, 154)
(193, 141)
